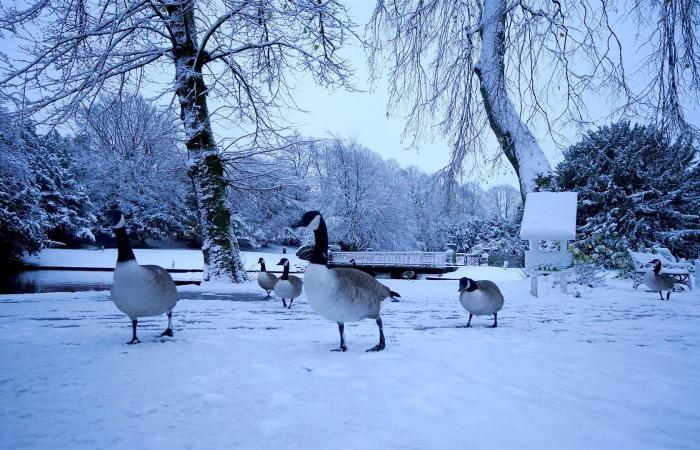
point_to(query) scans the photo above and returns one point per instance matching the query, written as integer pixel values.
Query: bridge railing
(405, 259)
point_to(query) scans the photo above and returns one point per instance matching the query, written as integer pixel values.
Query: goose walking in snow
(139, 291)
(341, 294)
(288, 286)
(266, 280)
(480, 298)
(658, 281)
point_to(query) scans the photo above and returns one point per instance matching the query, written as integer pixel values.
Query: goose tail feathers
(395, 296)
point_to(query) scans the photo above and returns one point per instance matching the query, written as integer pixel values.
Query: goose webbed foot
(342, 348)
(133, 341)
(377, 348)
(168, 332)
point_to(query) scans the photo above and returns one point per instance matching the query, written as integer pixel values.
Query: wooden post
(563, 282)
(533, 283)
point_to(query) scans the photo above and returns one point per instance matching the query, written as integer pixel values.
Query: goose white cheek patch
(120, 224)
(315, 223)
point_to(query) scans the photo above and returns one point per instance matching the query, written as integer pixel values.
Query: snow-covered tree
(240, 54)
(467, 66)
(505, 200)
(20, 216)
(41, 203)
(130, 156)
(636, 188)
(67, 212)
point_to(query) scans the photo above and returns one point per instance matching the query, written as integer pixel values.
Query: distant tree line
(128, 154)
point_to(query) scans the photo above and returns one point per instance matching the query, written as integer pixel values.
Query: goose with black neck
(341, 294)
(266, 280)
(139, 291)
(288, 286)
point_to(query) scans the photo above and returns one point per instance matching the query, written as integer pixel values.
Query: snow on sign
(549, 215)
(549, 222)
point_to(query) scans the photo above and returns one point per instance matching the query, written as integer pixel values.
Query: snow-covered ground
(614, 369)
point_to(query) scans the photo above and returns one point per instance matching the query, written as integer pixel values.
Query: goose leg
(668, 295)
(495, 320)
(168, 331)
(470, 320)
(268, 293)
(284, 303)
(134, 339)
(343, 347)
(379, 347)
(290, 303)
(661, 295)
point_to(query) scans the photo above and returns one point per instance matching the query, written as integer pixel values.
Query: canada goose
(352, 262)
(342, 294)
(480, 298)
(408, 275)
(266, 280)
(139, 291)
(288, 286)
(659, 281)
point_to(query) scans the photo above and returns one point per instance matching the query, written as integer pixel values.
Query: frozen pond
(38, 281)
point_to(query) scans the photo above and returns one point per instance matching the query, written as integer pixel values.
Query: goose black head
(114, 219)
(657, 264)
(466, 284)
(261, 261)
(310, 219)
(283, 262)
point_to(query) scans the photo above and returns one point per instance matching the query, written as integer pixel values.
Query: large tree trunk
(517, 143)
(222, 259)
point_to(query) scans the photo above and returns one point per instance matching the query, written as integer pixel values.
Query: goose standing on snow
(139, 291)
(341, 294)
(288, 286)
(657, 281)
(480, 298)
(266, 280)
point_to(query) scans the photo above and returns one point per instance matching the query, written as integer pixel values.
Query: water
(37, 281)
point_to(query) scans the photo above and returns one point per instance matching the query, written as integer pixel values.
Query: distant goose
(408, 275)
(352, 262)
(288, 286)
(266, 280)
(659, 281)
(139, 291)
(343, 294)
(480, 298)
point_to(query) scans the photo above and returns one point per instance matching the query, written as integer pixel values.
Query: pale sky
(362, 115)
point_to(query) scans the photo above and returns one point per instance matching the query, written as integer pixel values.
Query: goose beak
(297, 225)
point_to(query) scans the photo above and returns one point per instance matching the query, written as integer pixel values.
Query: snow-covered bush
(636, 189)
(496, 237)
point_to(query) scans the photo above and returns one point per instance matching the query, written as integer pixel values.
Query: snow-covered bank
(616, 368)
(182, 259)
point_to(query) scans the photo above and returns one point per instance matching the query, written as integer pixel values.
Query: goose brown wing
(490, 288)
(355, 283)
(160, 277)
